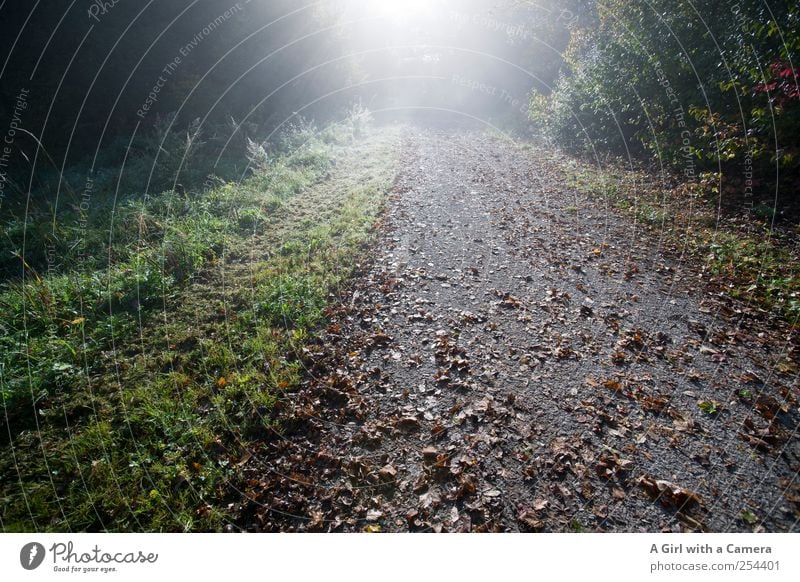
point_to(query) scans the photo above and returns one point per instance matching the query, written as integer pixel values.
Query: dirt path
(514, 357)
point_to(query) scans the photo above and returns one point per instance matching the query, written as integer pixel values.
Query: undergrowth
(137, 363)
(745, 254)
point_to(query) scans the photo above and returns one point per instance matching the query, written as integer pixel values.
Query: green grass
(759, 270)
(135, 385)
(744, 257)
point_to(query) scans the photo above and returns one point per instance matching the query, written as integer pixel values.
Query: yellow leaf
(78, 321)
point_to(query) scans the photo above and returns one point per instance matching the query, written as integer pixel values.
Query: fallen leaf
(387, 473)
(669, 493)
(529, 520)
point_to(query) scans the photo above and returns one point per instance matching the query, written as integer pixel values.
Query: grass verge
(744, 254)
(132, 393)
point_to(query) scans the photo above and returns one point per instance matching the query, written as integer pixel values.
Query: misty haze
(384, 266)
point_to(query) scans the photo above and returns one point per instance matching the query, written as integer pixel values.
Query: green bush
(650, 79)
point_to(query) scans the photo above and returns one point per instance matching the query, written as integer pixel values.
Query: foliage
(743, 257)
(663, 79)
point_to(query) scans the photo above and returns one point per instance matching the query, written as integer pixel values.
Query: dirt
(515, 356)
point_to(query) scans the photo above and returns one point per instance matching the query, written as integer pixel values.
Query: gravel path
(514, 356)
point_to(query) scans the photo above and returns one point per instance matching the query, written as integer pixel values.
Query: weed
(747, 259)
(152, 367)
